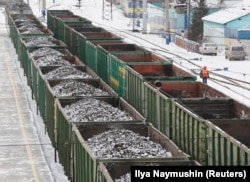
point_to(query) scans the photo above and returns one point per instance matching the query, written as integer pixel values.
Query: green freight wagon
(129, 71)
(151, 72)
(228, 142)
(121, 170)
(24, 33)
(188, 131)
(40, 88)
(206, 142)
(52, 22)
(199, 119)
(50, 99)
(99, 66)
(103, 51)
(227, 129)
(22, 21)
(71, 32)
(32, 69)
(117, 63)
(63, 128)
(31, 27)
(13, 9)
(63, 20)
(84, 37)
(158, 100)
(85, 161)
(71, 38)
(35, 42)
(158, 109)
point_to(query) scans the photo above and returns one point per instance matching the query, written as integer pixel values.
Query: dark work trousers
(205, 80)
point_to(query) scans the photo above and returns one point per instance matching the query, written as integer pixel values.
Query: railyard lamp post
(167, 17)
(144, 16)
(133, 16)
(188, 22)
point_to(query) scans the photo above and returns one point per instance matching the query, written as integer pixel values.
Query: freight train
(195, 123)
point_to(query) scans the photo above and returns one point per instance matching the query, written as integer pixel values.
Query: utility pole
(79, 4)
(43, 4)
(133, 16)
(21, 5)
(103, 9)
(188, 24)
(166, 27)
(144, 27)
(111, 9)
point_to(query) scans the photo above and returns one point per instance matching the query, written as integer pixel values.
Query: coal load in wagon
(52, 60)
(66, 72)
(39, 41)
(77, 88)
(32, 30)
(122, 144)
(94, 110)
(22, 18)
(45, 51)
(130, 141)
(124, 178)
(27, 25)
(28, 22)
(36, 30)
(17, 7)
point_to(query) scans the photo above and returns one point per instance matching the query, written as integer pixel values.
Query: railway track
(234, 85)
(227, 82)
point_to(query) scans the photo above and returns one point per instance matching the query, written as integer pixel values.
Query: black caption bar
(190, 173)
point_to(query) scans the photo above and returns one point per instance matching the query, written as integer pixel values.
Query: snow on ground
(92, 10)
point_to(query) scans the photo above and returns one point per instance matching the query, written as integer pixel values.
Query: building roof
(227, 15)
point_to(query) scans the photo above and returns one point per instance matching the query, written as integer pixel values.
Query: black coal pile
(66, 72)
(124, 178)
(39, 41)
(32, 31)
(27, 24)
(17, 6)
(45, 51)
(76, 88)
(52, 60)
(23, 18)
(121, 143)
(94, 110)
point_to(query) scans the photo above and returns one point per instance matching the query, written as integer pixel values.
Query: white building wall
(216, 35)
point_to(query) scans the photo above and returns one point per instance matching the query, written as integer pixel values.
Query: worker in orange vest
(204, 74)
